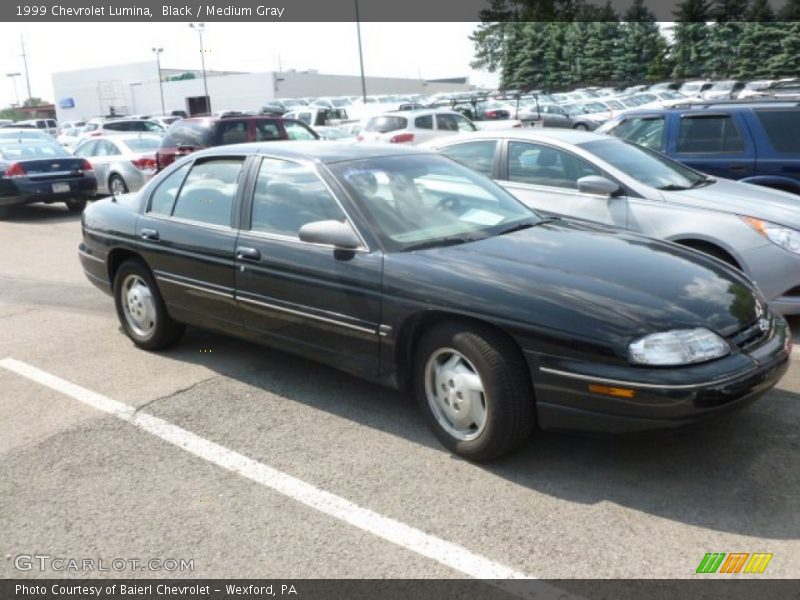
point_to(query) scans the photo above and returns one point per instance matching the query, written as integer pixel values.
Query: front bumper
(685, 395)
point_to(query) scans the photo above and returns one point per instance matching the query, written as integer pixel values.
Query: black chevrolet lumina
(406, 268)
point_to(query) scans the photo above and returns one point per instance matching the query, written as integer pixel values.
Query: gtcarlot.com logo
(45, 562)
(734, 563)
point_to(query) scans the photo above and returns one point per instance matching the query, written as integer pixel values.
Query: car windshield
(645, 166)
(14, 150)
(420, 201)
(723, 86)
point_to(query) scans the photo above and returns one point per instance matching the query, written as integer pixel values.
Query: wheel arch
(414, 327)
(117, 256)
(711, 248)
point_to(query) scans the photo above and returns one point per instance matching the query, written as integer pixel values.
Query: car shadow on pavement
(36, 213)
(738, 473)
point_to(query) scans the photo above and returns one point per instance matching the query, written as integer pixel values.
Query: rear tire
(474, 388)
(581, 127)
(141, 309)
(75, 206)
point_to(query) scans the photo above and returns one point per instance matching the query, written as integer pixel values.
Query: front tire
(117, 185)
(581, 127)
(141, 309)
(75, 206)
(474, 387)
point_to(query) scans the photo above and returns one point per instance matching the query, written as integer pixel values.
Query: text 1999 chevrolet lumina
(406, 268)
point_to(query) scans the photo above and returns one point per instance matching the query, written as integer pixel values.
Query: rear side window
(231, 132)
(711, 134)
(164, 197)
(119, 126)
(453, 123)
(208, 192)
(425, 122)
(478, 156)
(386, 124)
(783, 129)
(189, 133)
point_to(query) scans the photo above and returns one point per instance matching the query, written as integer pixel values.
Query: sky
(414, 50)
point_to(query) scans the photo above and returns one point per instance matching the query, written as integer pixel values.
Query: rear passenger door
(716, 143)
(188, 235)
(305, 297)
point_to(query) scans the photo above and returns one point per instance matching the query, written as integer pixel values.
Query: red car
(195, 133)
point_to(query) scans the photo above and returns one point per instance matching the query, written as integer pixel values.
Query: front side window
(419, 201)
(478, 156)
(645, 131)
(447, 122)
(712, 134)
(298, 131)
(267, 131)
(646, 166)
(208, 192)
(783, 129)
(86, 149)
(289, 195)
(542, 165)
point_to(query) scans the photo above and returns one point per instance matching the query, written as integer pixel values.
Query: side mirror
(600, 186)
(331, 233)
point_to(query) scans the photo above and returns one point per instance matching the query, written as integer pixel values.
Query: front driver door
(308, 298)
(546, 178)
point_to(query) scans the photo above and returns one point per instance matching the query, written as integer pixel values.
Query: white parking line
(796, 352)
(446, 553)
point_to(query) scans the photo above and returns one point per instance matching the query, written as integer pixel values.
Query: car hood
(744, 199)
(568, 279)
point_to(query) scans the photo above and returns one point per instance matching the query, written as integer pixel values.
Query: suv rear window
(783, 129)
(709, 134)
(189, 133)
(386, 124)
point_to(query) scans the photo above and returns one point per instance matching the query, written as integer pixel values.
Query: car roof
(717, 105)
(569, 136)
(315, 150)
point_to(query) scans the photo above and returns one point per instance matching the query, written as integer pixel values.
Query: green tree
(689, 49)
(790, 11)
(531, 70)
(13, 114)
(488, 38)
(761, 41)
(724, 36)
(787, 62)
(640, 44)
(34, 101)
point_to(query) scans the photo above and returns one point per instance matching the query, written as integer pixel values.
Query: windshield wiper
(438, 243)
(703, 182)
(672, 187)
(527, 225)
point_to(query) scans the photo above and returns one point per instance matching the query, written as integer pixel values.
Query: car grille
(752, 335)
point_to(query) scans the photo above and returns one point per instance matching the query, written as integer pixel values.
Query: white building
(133, 89)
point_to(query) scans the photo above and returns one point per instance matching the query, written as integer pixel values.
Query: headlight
(788, 239)
(679, 347)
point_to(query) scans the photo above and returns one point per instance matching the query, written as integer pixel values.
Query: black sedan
(34, 168)
(408, 269)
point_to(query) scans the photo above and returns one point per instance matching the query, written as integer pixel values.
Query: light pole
(133, 96)
(361, 57)
(14, 81)
(200, 27)
(158, 52)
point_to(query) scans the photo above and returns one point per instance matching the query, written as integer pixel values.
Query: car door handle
(150, 234)
(244, 253)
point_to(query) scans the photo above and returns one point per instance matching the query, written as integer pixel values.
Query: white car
(755, 88)
(414, 126)
(70, 138)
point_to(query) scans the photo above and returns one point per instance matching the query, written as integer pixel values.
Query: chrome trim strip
(288, 238)
(305, 314)
(96, 278)
(650, 386)
(91, 257)
(194, 287)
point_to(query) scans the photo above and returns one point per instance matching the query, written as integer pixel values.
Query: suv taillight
(15, 170)
(402, 138)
